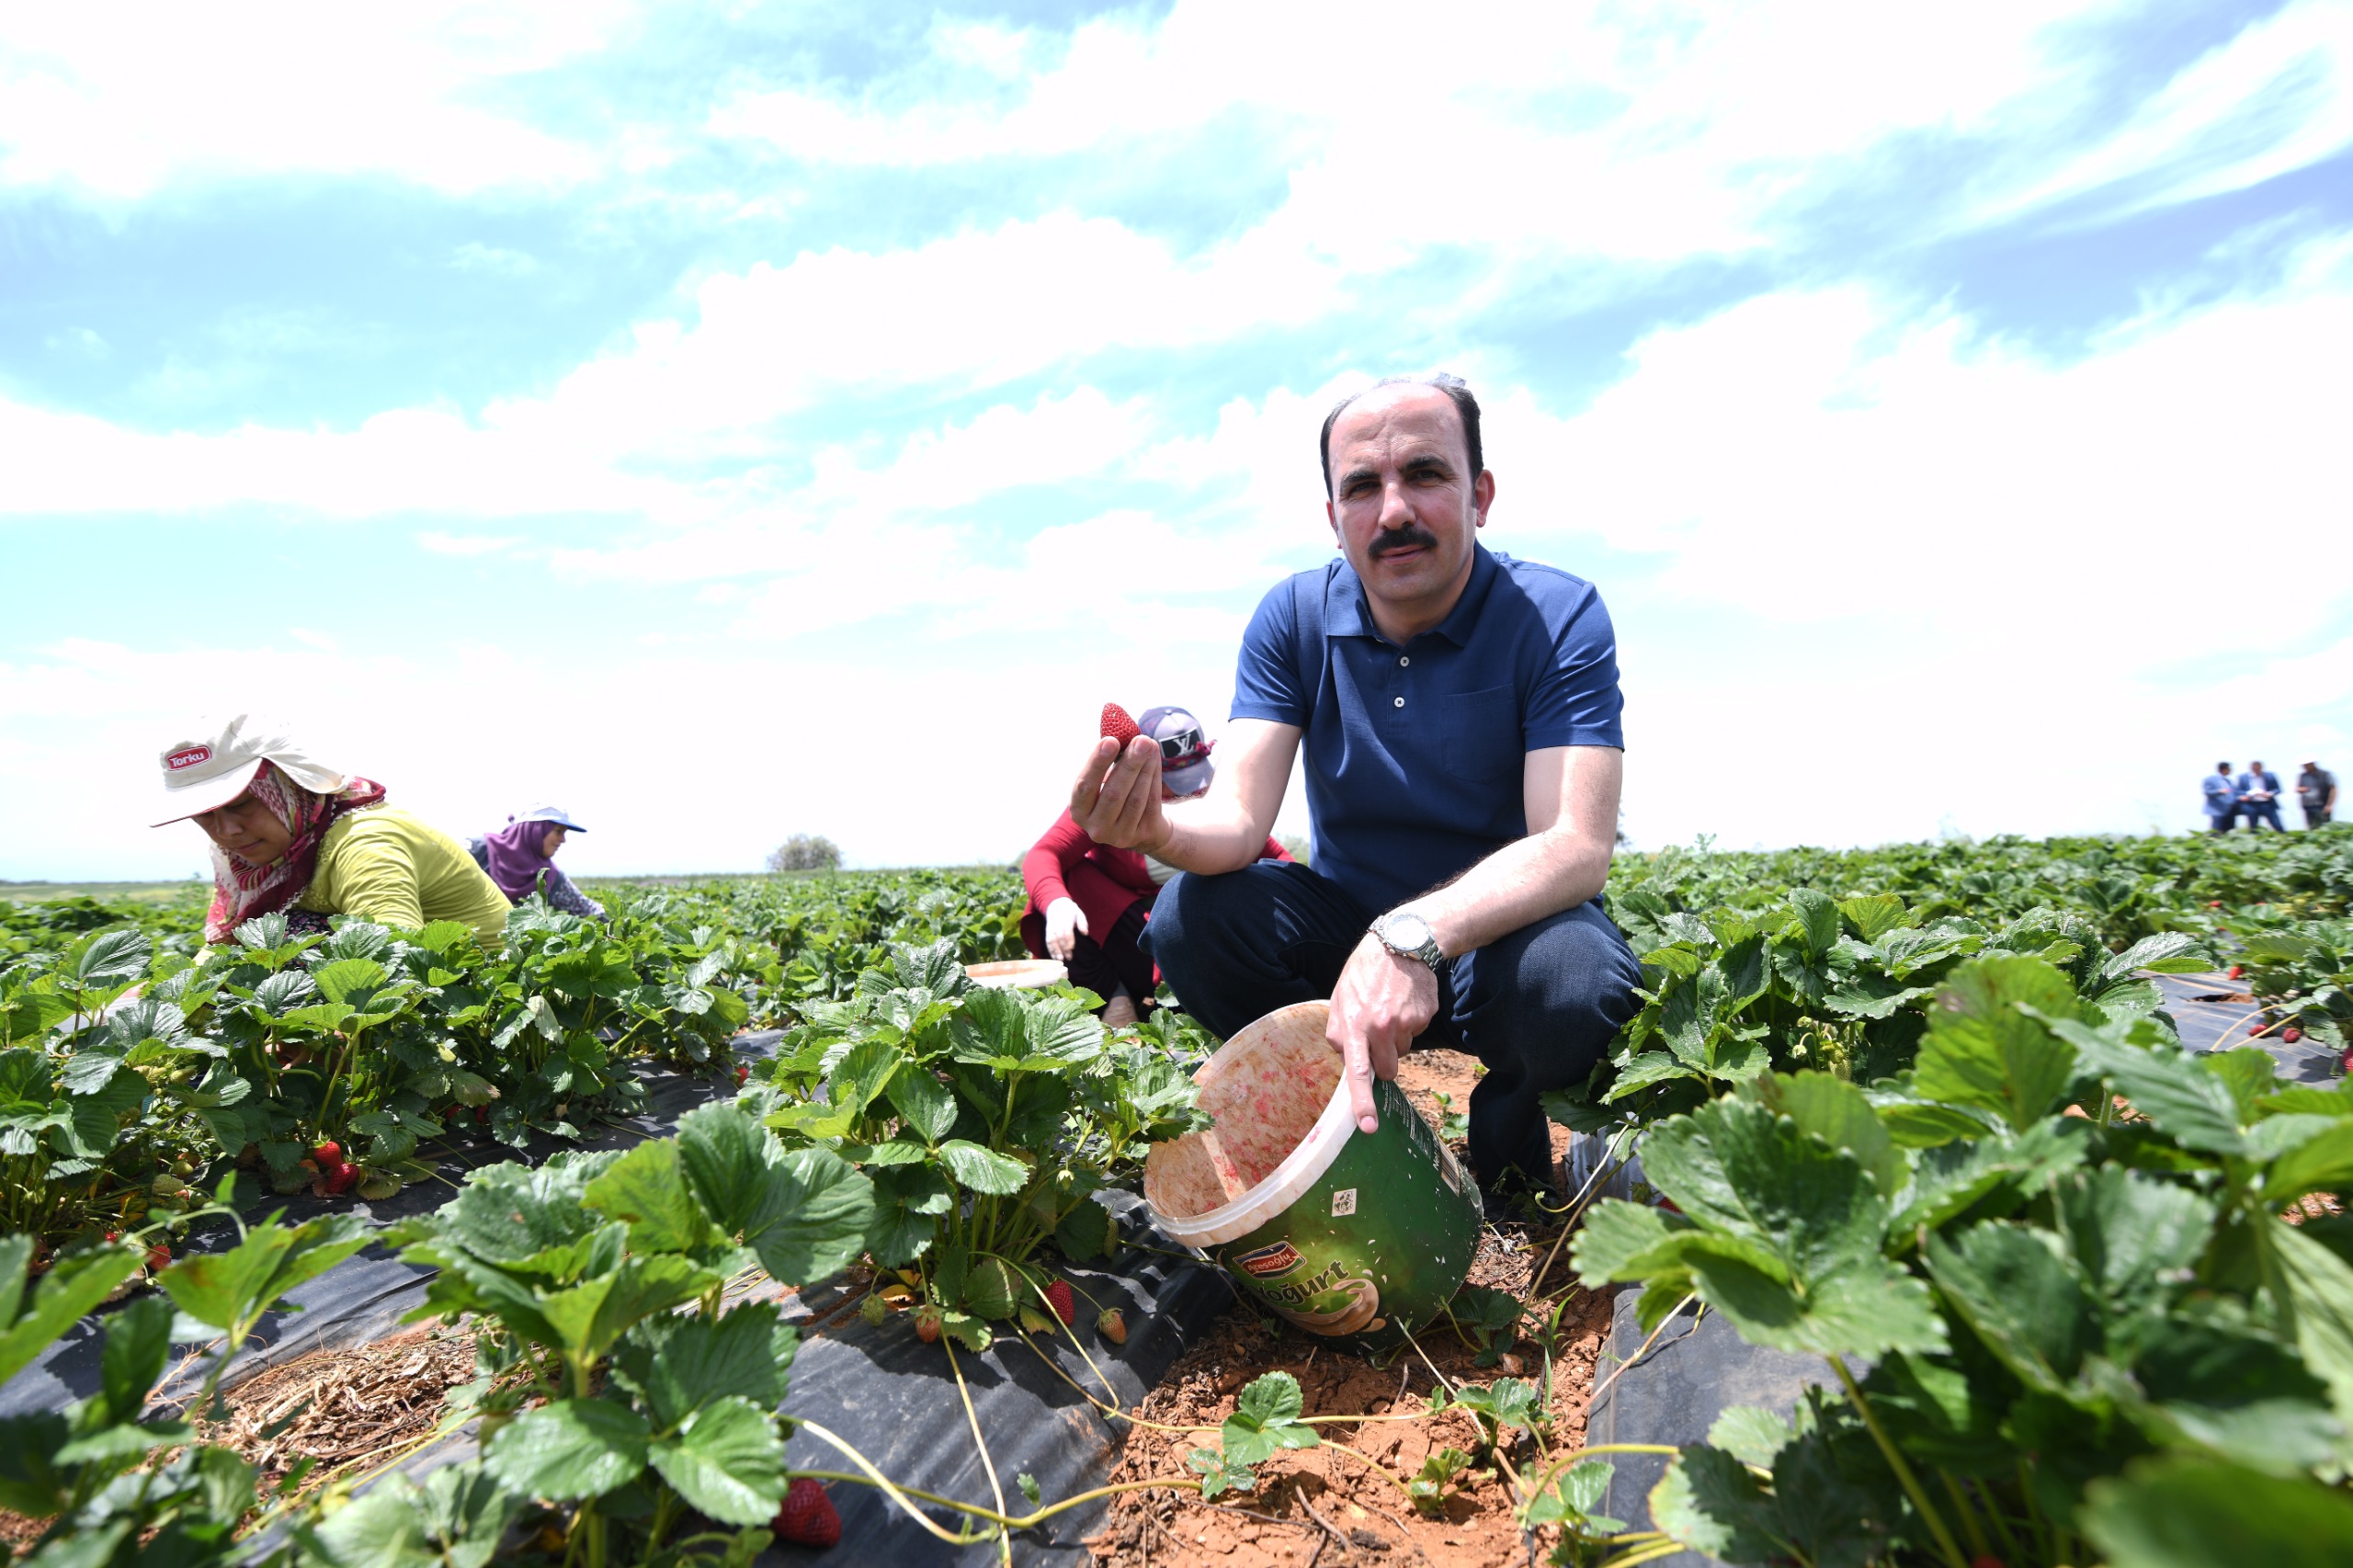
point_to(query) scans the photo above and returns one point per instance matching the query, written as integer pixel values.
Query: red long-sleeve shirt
(1103, 882)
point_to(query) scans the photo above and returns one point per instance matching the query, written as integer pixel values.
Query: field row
(1918, 1110)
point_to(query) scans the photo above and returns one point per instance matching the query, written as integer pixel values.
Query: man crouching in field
(1460, 713)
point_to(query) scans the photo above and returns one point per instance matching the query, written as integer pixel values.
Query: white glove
(1063, 918)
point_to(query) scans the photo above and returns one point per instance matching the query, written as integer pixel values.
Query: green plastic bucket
(1342, 1233)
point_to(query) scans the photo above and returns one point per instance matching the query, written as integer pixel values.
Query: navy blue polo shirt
(1414, 754)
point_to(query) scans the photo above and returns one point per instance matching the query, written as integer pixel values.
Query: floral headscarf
(242, 889)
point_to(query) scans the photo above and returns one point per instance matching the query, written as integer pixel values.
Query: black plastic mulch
(895, 1400)
(1698, 1368)
(882, 1389)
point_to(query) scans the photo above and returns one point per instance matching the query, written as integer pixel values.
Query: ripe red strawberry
(341, 1179)
(1112, 1326)
(1059, 1297)
(742, 1073)
(329, 1153)
(1117, 725)
(159, 1257)
(2238, 971)
(928, 1323)
(482, 1113)
(1987, 1563)
(2292, 1034)
(807, 1518)
(2257, 1026)
(114, 1235)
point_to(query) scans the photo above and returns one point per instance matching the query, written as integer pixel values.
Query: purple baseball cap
(1185, 765)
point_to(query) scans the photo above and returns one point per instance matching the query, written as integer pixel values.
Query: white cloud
(1575, 130)
(440, 543)
(955, 315)
(1907, 572)
(120, 101)
(475, 257)
(2273, 98)
(407, 459)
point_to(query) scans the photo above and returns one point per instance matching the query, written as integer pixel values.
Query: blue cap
(552, 814)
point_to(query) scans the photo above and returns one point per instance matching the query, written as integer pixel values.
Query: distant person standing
(2259, 798)
(2221, 800)
(2316, 790)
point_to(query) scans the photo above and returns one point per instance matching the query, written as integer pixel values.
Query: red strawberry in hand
(807, 1518)
(1117, 725)
(1058, 1296)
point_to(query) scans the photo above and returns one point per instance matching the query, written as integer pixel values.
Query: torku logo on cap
(191, 757)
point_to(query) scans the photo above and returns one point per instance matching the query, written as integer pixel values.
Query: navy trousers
(1539, 1006)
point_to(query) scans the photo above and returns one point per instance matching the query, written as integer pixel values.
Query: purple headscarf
(516, 861)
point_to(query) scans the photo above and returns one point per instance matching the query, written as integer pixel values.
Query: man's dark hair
(2223, 767)
(1457, 389)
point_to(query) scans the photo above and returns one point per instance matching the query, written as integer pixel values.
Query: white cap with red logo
(216, 764)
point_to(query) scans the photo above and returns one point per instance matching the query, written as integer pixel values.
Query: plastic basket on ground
(1017, 974)
(1339, 1231)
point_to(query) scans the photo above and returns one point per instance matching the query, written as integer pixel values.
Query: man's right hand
(1115, 801)
(1065, 922)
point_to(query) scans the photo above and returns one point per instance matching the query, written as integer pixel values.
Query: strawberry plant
(2307, 970)
(646, 1419)
(2031, 1310)
(988, 1120)
(1833, 986)
(110, 1484)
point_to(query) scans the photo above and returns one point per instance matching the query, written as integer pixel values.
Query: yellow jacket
(386, 864)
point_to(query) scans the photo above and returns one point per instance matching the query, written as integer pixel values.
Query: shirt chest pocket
(1481, 736)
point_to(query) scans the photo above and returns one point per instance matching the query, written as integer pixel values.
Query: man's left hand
(1381, 1003)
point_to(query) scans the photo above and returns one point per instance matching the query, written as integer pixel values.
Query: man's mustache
(1406, 538)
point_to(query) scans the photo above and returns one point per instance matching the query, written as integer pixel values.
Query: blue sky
(736, 421)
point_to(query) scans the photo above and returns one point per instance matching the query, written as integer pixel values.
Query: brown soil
(1324, 1505)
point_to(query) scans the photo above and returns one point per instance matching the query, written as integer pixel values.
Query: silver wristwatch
(1409, 936)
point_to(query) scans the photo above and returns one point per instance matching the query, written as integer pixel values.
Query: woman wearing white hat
(290, 835)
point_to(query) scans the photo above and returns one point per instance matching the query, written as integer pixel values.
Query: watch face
(1409, 930)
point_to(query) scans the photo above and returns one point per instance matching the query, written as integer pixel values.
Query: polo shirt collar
(1347, 615)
